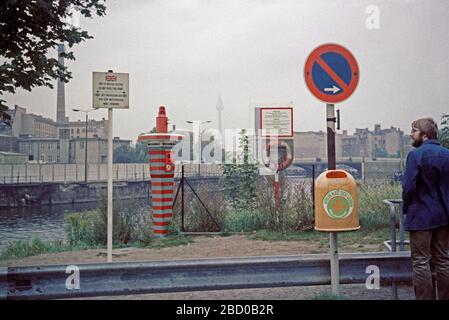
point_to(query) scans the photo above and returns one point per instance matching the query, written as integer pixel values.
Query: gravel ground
(351, 292)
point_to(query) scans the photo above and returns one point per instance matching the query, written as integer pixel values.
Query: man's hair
(427, 126)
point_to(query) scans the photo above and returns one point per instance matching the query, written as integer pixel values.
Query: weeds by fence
(295, 212)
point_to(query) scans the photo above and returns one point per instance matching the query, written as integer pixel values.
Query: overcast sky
(183, 53)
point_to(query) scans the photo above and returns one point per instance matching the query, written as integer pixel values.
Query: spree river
(44, 222)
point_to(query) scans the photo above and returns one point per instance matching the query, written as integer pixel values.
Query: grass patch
(21, 249)
(170, 241)
(243, 221)
(35, 246)
(267, 235)
(328, 296)
(356, 239)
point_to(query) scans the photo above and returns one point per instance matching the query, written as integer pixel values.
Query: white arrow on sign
(334, 89)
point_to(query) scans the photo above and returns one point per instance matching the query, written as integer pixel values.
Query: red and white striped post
(162, 171)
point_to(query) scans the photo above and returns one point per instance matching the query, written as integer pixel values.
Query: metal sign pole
(276, 189)
(331, 164)
(110, 155)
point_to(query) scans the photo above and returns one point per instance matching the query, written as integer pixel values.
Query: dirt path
(202, 247)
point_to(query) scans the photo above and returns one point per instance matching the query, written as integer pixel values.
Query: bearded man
(426, 205)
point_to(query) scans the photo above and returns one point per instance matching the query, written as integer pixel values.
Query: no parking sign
(331, 73)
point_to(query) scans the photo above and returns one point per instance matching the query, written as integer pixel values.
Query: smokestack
(60, 98)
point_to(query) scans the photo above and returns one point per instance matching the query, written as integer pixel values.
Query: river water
(44, 222)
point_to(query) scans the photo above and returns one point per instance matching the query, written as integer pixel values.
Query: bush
(80, 228)
(131, 224)
(295, 210)
(243, 221)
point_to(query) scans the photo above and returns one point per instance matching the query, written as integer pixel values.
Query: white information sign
(277, 121)
(110, 90)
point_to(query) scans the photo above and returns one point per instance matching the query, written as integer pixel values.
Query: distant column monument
(220, 108)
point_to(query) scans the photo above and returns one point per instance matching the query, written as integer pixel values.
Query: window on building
(42, 158)
(77, 130)
(58, 159)
(50, 158)
(71, 131)
(82, 145)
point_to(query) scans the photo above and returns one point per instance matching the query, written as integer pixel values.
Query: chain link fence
(208, 209)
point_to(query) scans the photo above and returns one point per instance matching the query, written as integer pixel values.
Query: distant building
(55, 150)
(97, 149)
(95, 128)
(8, 143)
(29, 124)
(45, 150)
(13, 158)
(312, 145)
(380, 143)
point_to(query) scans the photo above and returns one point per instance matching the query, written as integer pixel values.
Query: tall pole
(276, 189)
(331, 164)
(199, 149)
(182, 198)
(110, 155)
(85, 153)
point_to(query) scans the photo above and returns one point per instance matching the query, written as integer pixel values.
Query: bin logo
(338, 204)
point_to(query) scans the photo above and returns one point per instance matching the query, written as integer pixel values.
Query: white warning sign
(110, 90)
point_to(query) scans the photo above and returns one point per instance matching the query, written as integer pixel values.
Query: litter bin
(336, 202)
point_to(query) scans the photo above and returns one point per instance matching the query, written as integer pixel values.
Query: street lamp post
(85, 141)
(199, 123)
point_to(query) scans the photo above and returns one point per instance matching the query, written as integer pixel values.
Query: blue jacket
(425, 187)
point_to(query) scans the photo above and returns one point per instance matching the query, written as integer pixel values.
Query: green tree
(240, 176)
(444, 132)
(131, 154)
(28, 30)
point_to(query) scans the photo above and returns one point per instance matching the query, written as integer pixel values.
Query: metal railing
(125, 278)
(395, 206)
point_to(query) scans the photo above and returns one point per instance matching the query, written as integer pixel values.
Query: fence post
(363, 170)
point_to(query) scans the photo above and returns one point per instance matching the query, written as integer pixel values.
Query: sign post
(111, 91)
(331, 74)
(277, 122)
